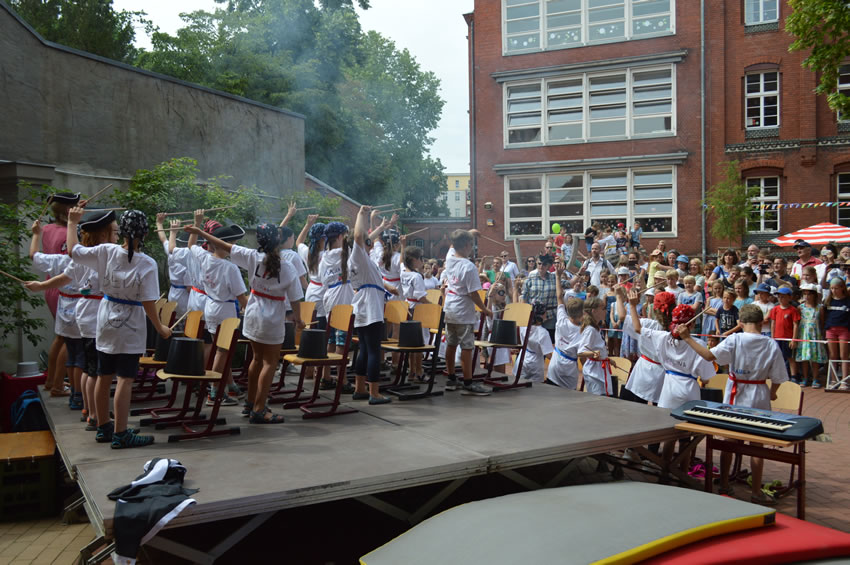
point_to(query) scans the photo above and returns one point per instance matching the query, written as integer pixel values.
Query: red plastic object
(789, 540)
(10, 389)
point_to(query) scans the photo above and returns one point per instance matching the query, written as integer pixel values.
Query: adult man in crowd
(541, 288)
(780, 274)
(595, 264)
(805, 259)
(508, 266)
(752, 259)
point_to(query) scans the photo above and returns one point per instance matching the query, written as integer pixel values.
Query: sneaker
(452, 384)
(91, 425)
(347, 388)
(129, 438)
(247, 408)
(373, 400)
(474, 388)
(75, 401)
(234, 391)
(816, 384)
(795, 380)
(327, 384)
(226, 401)
(84, 415)
(844, 386)
(104, 433)
(360, 396)
(804, 384)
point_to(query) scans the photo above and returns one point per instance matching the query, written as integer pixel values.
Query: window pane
(652, 93)
(608, 112)
(566, 210)
(516, 2)
(604, 195)
(524, 135)
(605, 14)
(554, 6)
(656, 224)
(652, 7)
(651, 77)
(653, 177)
(525, 197)
(753, 83)
(652, 125)
(530, 183)
(524, 105)
(653, 193)
(526, 211)
(530, 41)
(564, 20)
(651, 25)
(561, 196)
(565, 87)
(569, 102)
(607, 209)
(844, 185)
(529, 10)
(523, 91)
(602, 3)
(519, 26)
(572, 131)
(654, 208)
(608, 179)
(607, 129)
(526, 228)
(616, 97)
(653, 108)
(607, 31)
(567, 225)
(524, 120)
(771, 188)
(566, 181)
(608, 81)
(564, 37)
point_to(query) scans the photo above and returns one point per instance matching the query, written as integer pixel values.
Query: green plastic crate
(28, 488)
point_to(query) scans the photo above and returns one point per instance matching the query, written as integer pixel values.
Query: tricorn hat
(96, 219)
(67, 198)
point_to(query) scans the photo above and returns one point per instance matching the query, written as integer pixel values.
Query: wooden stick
(98, 193)
(494, 241)
(415, 232)
(695, 317)
(392, 210)
(13, 277)
(205, 211)
(333, 218)
(310, 208)
(653, 286)
(180, 319)
(109, 209)
(382, 206)
(43, 210)
(161, 296)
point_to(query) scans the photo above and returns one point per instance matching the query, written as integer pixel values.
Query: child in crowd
(333, 274)
(611, 321)
(763, 301)
(461, 298)
(709, 320)
(539, 345)
(413, 291)
(178, 291)
(563, 367)
(836, 322)
(593, 351)
(727, 315)
(647, 376)
(784, 326)
(635, 235)
(742, 293)
(809, 352)
(672, 282)
(691, 297)
(497, 297)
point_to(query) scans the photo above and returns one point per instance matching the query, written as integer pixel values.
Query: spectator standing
(805, 259)
(595, 264)
(635, 235)
(508, 266)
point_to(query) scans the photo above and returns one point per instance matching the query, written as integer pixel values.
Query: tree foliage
(728, 204)
(89, 25)
(821, 27)
(369, 106)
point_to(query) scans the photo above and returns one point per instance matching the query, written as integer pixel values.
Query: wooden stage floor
(379, 449)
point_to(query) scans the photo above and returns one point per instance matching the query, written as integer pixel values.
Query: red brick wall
(347, 208)
(436, 235)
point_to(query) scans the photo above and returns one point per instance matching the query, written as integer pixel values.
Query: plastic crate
(28, 488)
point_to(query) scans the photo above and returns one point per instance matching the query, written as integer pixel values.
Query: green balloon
(556, 228)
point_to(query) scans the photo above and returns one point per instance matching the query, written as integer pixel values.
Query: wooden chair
(434, 296)
(395, 312)
(278, 394)
(714, 389)
(431, 317)
(193, 328)
(717, 382)
(620, 373)
(521, 314)
(226, 338)
(342, 319)
(166, 313)
(789, 398)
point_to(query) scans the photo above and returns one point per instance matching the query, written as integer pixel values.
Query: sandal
(762, 498)
(260, 417)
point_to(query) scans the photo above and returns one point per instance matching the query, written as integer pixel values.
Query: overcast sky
(432, 30)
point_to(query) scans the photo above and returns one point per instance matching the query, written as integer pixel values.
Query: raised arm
(620, 293)
(293, 208)
(302, 237)
(172, 236)
(634, 299)
(360, 226)
(211, 238)
(199, 221)
(58, 281)
(685, 334)
(381, 227)
(71, 241)
(160, 230)
(559, 272)
(35, 242)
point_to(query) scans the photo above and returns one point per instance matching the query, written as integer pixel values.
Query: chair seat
(288, 351)
(401, 349)
(208, 376)
(150, 361)
(480, 343)
(297, 360)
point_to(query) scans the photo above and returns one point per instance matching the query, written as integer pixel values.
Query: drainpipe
(702, 119)
(473, 185)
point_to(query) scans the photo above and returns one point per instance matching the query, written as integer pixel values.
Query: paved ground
(49, 541)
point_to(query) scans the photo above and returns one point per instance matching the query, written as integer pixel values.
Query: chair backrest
(621, 371)
(789, 397)
(717, 381)
(395, 311)
(192, 326)
(306, 310)
(224, 336)
(483, 295)
(434, 296)
(340, 315)
(519, 313)
(166, 312)
(428, 315)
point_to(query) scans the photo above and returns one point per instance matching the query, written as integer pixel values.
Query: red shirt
(783, 321)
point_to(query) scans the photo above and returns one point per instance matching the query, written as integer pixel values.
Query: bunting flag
(788, 205)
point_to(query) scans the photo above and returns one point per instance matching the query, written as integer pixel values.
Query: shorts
(121, 364)
(460, 334)
(838, 333)
(337, 337)
(321, 322)
(207, 337)
(785, 348)
(76, 352)
(90, 348)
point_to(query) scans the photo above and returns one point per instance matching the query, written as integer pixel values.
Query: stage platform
(384, 448)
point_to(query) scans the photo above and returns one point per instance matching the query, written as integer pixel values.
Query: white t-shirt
(765, 309)
(330, 275)
(368, 300)
(608, 243)
(538, 347)
(431, 283)
(562, 371)
(391, 276)
(87, 282)
(315, 291)
(295, 260)
(223, 283)
(595, 267)
(121, 328)
(510, 268)
(676, 355)
(195, 264)
(178, 276)
(462, 279)
(751, 357)
(675, 291)
(264, 317)
(647, 378)
(412, 287)
(53, 264)
(596, 379)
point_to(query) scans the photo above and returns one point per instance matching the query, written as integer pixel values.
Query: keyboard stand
(728, 440)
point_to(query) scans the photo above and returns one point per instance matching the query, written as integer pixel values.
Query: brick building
(590, 110)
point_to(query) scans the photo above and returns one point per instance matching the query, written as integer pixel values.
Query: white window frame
(545, 34)
(762, 95)
(843, 212)
(758, 199)
(545, 218)
(760, 19)
(844, 87)
(586, 106)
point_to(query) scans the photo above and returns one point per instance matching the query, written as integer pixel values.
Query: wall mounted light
(488, 205)
(491, 223)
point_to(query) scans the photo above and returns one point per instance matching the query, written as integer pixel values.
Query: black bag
(28, 414)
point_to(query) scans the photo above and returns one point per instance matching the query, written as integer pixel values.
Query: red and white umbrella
(817, 234)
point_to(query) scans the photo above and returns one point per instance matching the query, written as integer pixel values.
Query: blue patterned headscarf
(334, 229)
(268, 237)
(317, 234)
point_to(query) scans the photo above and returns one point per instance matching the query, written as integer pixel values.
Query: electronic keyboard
(776, 425)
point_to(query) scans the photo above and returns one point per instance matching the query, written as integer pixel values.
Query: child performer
(333, 274)
(592, 349)
(810, 353)
(130, 286)
(497, 297)
(461, 298)
(563, 367)
(413, 290)
(273, 282)
(539, 345)
(647, 376)
(314, 232)
(752, 358)
(177, 275)
(368, 314)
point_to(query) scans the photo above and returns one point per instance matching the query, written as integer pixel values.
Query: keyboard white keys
(755, 421)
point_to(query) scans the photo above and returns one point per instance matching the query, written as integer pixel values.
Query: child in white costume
(177, 264)
(647, 377)
(593, 351)
(333, 274)
(563, 366)
(539, 345)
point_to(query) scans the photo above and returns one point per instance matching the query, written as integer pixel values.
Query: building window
(761, 11)
(763, 190)
(589, 107)
(577, 199)
(419, 243)
(537, 25)
(457, 196)
(762, 100)
(844, 87)
(843, 196)
(457, 184)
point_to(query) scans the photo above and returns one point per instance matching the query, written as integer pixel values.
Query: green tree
(728, 204)
(369, 106)
(821, 27)
(89, 25)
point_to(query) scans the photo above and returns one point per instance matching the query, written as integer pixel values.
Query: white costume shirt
(676, 355)
(751, 357)
(121, 327)
(53, 264)
(412, 287)
(223, 283)
(462, 278)
(87, 282)
(330, 275)
(538, 347)
(368, 300)
(562, 371)
(315, 291)
(195, 262)
(596, 379)
(178, 276)
(647, 378)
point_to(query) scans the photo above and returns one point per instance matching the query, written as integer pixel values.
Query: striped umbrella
(817, 234)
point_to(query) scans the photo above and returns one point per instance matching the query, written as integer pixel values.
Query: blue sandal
(260, 417)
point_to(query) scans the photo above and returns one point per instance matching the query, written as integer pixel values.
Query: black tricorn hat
(314, 344)
(97, 219)
(68, 198)
(229, 233)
